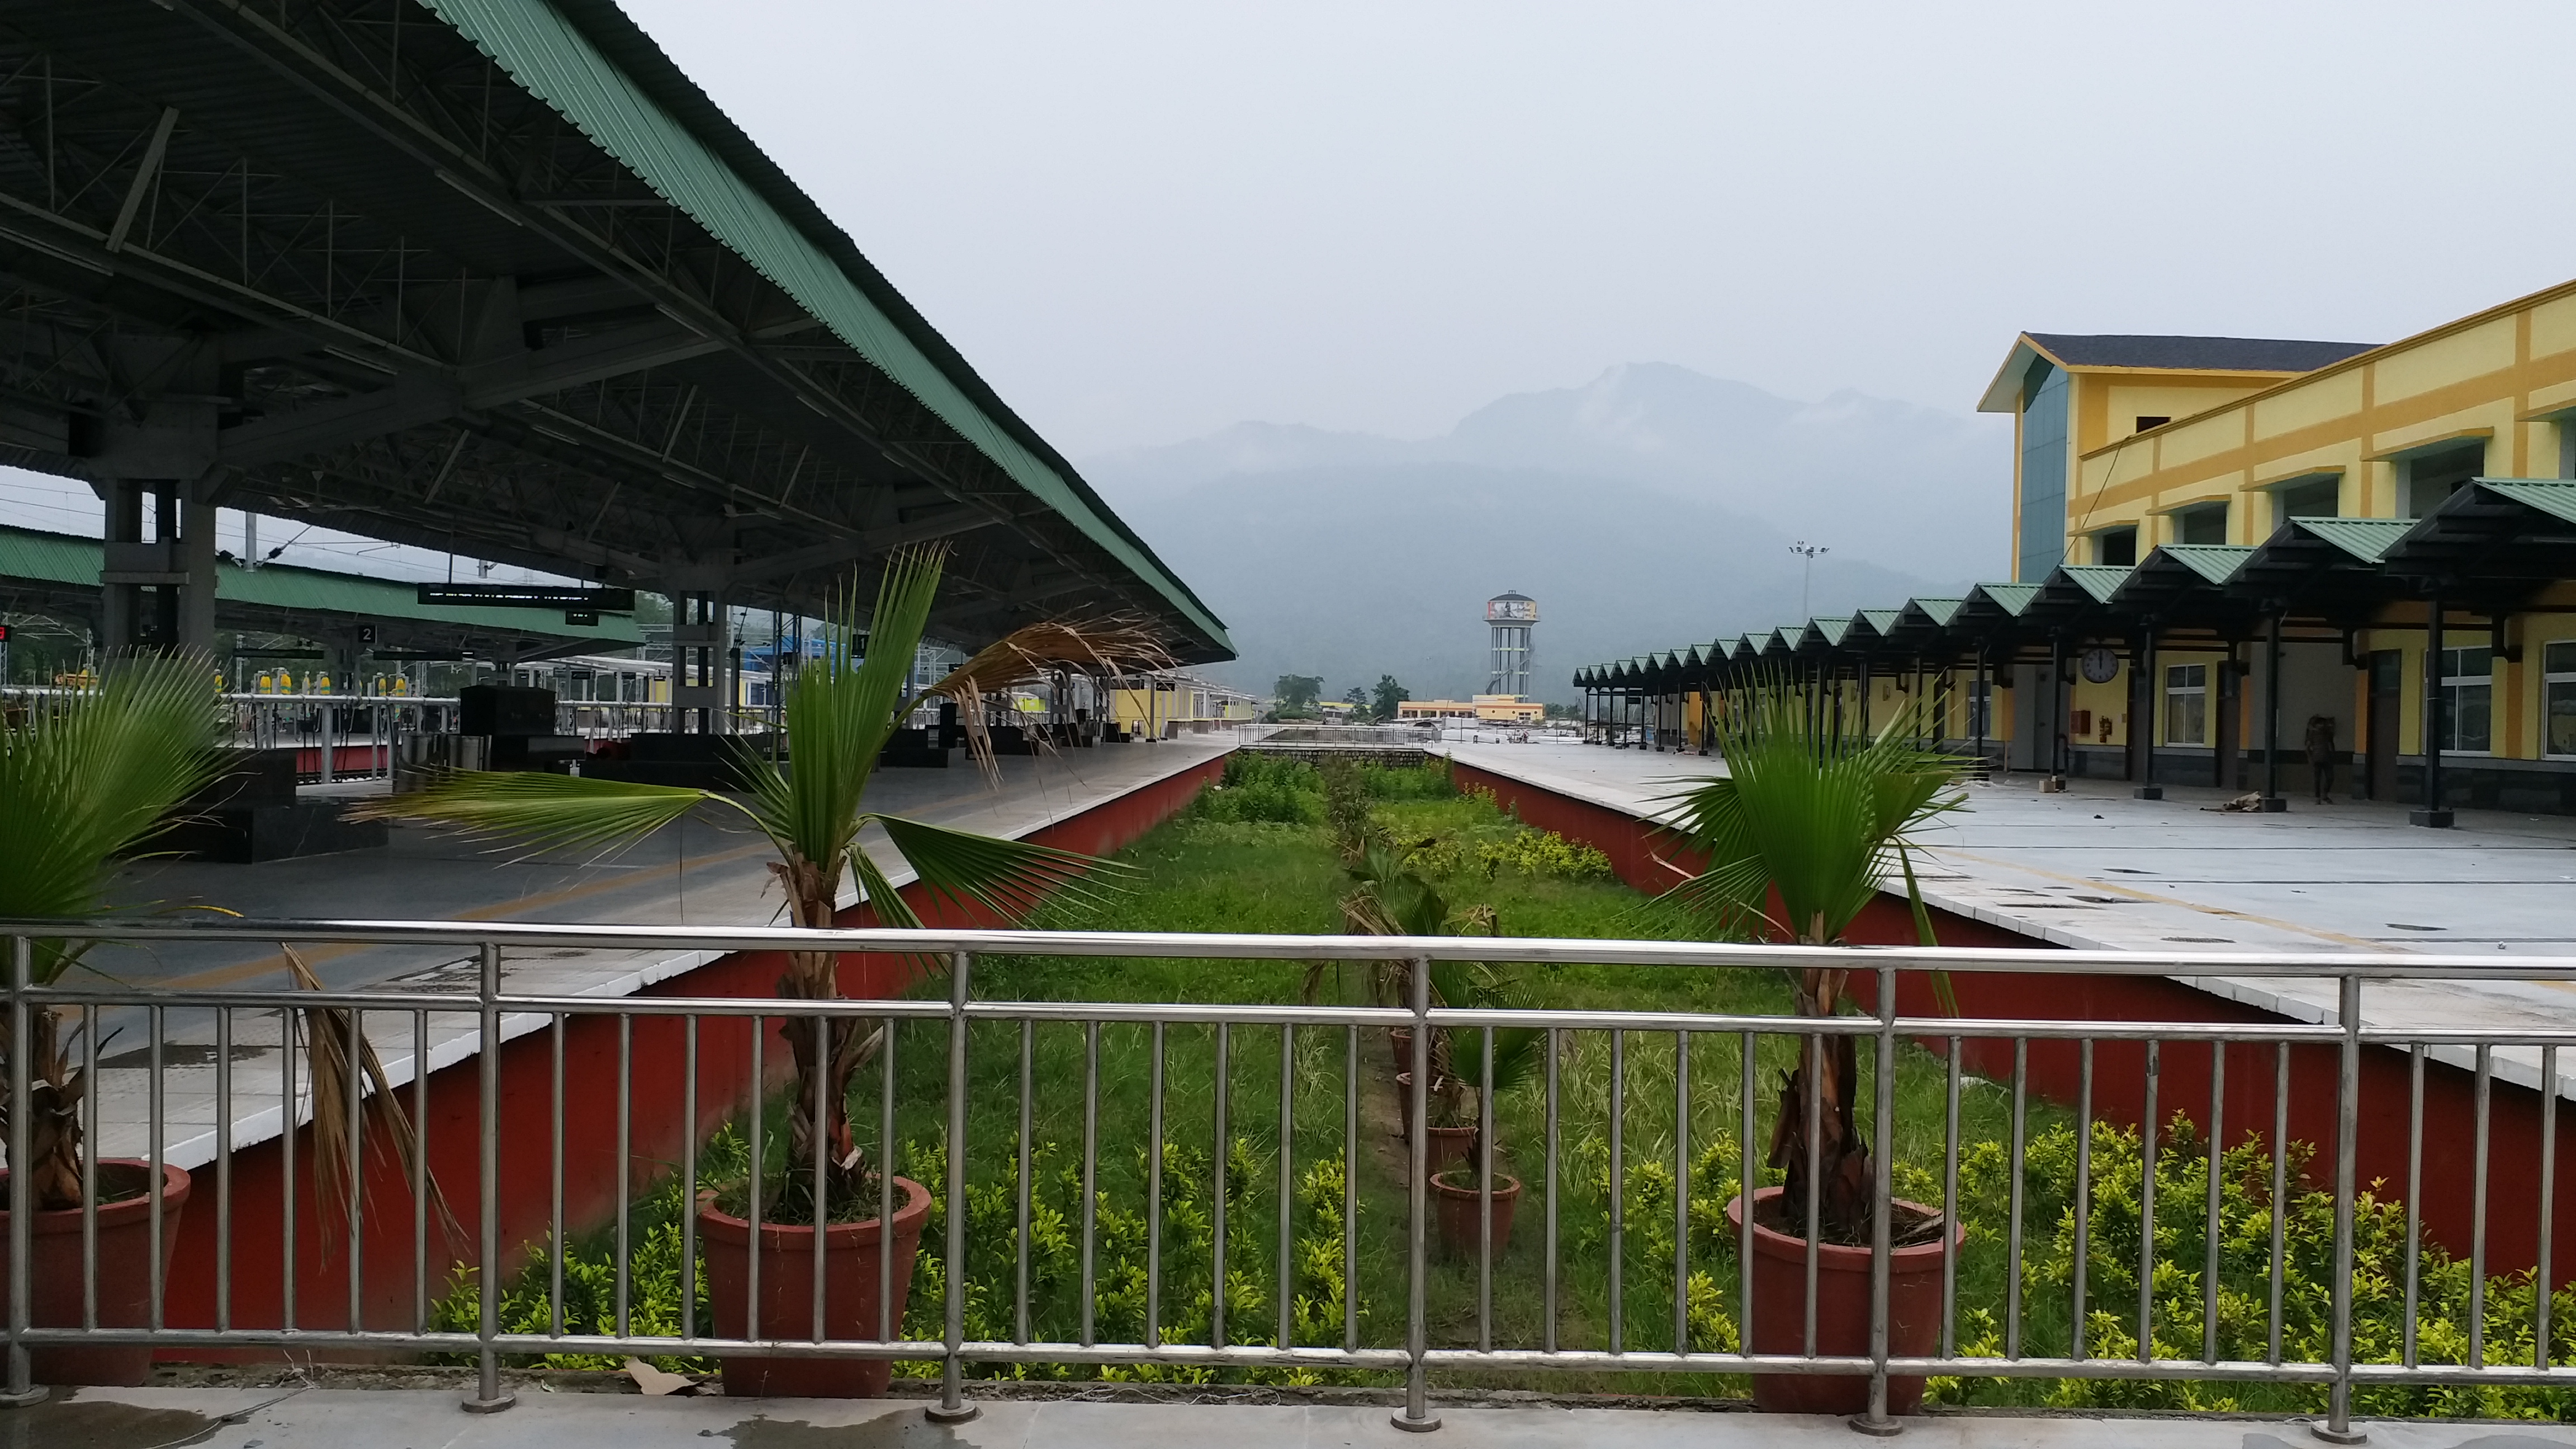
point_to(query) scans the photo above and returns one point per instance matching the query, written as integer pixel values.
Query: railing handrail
(1535, 950)
(2340, 1026)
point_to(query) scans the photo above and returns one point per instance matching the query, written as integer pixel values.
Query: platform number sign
(367, 635)
(2101, 666)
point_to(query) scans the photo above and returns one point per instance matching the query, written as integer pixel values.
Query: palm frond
(840, 712)
(331, 1038)
(542, 811)
(1807, 824)
(97, 774)
(1007, 878)
(891, 909)
(1114, 645)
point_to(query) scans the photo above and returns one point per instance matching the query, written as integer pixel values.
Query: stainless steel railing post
(1882, 1149)
(1416, 1416)
(952, 1407)
(2337, 1429)
(489, 1396)
(22, 1224)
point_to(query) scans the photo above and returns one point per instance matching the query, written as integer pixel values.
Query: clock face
(2101, 666)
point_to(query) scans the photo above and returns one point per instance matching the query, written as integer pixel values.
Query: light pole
(1806, 553)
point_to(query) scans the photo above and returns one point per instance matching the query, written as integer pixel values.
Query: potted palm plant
(841, 710)
(1391, 898)
(89, 776)
(1505, 1061)
(1804, 830)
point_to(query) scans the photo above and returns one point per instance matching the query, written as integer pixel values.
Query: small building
(1483, 709)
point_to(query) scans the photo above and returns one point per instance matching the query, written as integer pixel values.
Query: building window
(2558, 722)
(2118, 546)
(2468, 695)
(2042, 478)
(2436, 476)
(2205, 524)
(2187, 704)
(2317, 498)
(2145, 423)
(1981, 704)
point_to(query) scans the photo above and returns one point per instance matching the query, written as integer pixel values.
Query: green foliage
(1317, 1284)
(1388, 694)
(1264, 788)
(1297, 692)
(1346, 808)
(1543, 852)
(1821, 819)
(2179, 1296)
(1427, 781)
(92, 775)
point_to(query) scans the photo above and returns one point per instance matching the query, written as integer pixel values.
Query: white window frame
(2552, 676)
(2170, 691)
(2450, 702)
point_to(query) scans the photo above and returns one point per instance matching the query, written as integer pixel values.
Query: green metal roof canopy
(500, 280)
(57, 574)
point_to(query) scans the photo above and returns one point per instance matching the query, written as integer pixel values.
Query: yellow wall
(2492, 377)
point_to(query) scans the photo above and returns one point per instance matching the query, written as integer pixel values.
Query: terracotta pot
(1399, 1046)
(1453, 1206)
(1448, 1146)
(125, 1251)
(1842, 1314)
(787, 1296)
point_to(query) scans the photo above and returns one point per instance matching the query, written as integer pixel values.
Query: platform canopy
(57, 575)
(2492, 547)
(495, 277)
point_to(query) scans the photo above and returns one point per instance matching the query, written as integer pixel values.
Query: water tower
(1509, 617)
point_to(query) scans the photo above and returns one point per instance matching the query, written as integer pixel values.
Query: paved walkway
(430, 1419)
(2095, 869)
(711, 871)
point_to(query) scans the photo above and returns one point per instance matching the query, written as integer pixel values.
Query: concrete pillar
(197, 596)
(117, 599)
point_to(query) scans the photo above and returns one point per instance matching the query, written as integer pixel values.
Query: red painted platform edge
(657, 1048)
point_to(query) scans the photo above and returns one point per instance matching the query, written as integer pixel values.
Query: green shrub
(1264, 788)
(992, 1235)
(1427, 781)
(1532, 851)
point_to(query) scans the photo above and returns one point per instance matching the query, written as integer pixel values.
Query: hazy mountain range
(1651, 508)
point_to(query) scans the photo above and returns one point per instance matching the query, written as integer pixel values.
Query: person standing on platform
(2321, 757)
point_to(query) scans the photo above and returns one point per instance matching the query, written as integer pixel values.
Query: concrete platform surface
(711, 870)
(2094, 869)
(431, 1419)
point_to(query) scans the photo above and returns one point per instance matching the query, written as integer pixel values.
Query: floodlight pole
(1806, 553)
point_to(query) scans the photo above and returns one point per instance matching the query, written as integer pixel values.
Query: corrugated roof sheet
(2216, 562)
(2366, 539)
(2209, 354)
(2011, 598)
(2097, 580)
(2558, 500)
(59, 558)
(557, 62)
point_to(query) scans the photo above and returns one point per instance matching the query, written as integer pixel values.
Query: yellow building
(2128, 445)
(1165, 704)
(1482, 709)
(2198, 520)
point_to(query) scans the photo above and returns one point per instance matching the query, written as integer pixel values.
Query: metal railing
(692, 1035)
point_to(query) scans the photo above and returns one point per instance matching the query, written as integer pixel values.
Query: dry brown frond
(330, 1037)
(1118, 644)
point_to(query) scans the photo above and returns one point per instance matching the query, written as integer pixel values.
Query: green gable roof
(59, 558)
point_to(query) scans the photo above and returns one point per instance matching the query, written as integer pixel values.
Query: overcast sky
(1142, 222)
